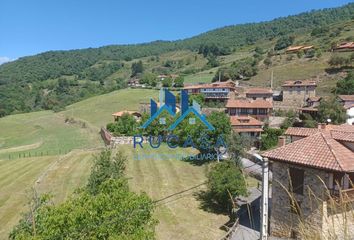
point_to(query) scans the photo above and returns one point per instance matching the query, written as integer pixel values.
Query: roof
(319, 150)
(304, 132)
(119, 114)
(346, 97)
(299, 83)
(300, 47)
(227, 84)
(309, 109)
(246, 103)
(294, 48)
(345, 45)
(314, 99)
(259, 91)
(244, 121)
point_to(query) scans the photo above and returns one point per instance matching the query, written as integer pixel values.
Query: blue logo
(167, 103)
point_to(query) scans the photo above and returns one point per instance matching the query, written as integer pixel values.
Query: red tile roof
(346, 97)
(245, 103)
(244, 121)
(314, 99)
(299, 83)
(345, 45)
(301, 132)
(227, 84)
(259, 91)
(319, 150)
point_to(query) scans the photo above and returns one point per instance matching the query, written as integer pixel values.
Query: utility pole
(271, 80)
(264, 203)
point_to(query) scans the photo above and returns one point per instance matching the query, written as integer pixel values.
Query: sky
(28, 27)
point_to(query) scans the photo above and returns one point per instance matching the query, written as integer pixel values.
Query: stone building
(296, 92)
(260, 109)
(259, 93)
(311, 189)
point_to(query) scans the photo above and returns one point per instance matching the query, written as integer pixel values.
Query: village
(315, 162)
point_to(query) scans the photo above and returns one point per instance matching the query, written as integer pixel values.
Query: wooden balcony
(344, 196)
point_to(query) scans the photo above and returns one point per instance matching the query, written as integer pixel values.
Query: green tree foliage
(137, 67)
(167, 82)
(225, 182)
(106, 167)
(236, 145)
(199, 98)
(110, 211)
(244, 68)
(331, 109)
(179, 81)
(284, 42)
(126, 125)
(213, 50)
(267, 61)
(346, 85)
(337, 60)
(212, 61)
(149, 78)
(269, 138)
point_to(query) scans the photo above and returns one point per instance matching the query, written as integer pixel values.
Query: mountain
(54, 79)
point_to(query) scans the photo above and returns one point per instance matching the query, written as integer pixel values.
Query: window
(296, 180)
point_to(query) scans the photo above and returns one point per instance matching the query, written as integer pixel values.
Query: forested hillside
(54, 79)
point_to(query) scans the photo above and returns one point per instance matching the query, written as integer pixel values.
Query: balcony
(343, 196)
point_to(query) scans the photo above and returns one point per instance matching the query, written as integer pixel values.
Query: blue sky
(28, 27)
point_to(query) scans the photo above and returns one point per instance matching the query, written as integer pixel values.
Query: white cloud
(4, 60)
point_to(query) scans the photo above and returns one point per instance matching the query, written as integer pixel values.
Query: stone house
(246, 126)
(260, 109)
(259, 93)
(311, 106)
(296, 92)
(217, 91)
(311, 189)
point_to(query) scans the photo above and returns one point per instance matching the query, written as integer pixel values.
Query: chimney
(281, 141)
(321, 126)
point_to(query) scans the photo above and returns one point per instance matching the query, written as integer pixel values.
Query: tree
(268, 61)
(236, 145)
(338, 61)
(149, 78)
(269, 138)
(137, 67)
(346, 85)
(331, 109)
(125, 125)
(179, 81)
(212, 61)
(167, 82)
(105, 167)
(284, 42)
(225, 182)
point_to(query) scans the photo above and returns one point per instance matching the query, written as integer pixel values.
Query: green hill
(55, 79)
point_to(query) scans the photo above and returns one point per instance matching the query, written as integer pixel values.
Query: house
(220, 91)
(311, 106)
(311, 175)
(346, 100)
(295, 49)
(296, 92)
(344, 47)
(259, 108)
(348, 103)
(259, 93)
(135, 114)
(162, 77)
(134, 82)
(246, 126)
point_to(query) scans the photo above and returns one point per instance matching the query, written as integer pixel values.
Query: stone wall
(283, 221)
(297, 95)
